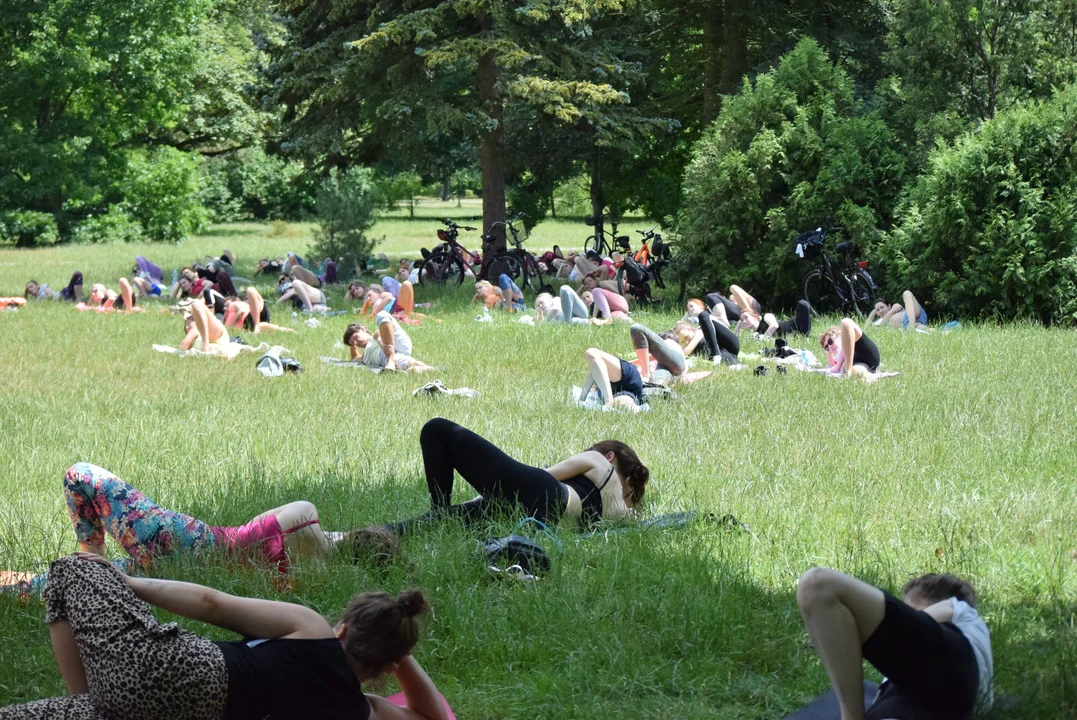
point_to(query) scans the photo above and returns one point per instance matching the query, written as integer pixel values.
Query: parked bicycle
(829, 288)
(448, 262)
(608, 241)
(640, 269)
(519, 264)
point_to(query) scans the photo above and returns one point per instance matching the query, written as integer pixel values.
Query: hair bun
(412, 602)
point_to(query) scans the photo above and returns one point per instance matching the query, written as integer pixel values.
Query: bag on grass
(515, 551)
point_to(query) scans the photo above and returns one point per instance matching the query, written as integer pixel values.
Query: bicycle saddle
(844, 248)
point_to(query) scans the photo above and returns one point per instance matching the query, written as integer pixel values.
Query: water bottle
(175, 276)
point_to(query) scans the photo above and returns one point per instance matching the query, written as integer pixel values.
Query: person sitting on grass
(568, 307)
(99, 502)
(390, 350)
(799, 323)
(302, 295)
(604, 482)
(897, 316)
(103, 299)
(507, 296)
(932, 646)
(663, 348)
(619, 383)
(252, 315)
(849, 351)
(118, 661)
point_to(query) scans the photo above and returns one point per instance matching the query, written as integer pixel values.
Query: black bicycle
(446, 262)
(608, 241)
(830, 288)
(519, 264)
(640, 269)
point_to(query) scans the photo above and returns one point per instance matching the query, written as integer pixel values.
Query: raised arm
(423, 700)
(384, 300)
(288, 295)
(693, 343)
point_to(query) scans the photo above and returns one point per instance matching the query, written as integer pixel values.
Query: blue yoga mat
(826, 706)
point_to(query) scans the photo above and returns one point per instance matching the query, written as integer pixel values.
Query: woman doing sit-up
(619, 382)
(72, 292)
(119, 662)
(103, 300)
(849, 351)
(205, 327)
(769, 325)
(933, 647)
(251, 315)
(897, 316)
(606, 481)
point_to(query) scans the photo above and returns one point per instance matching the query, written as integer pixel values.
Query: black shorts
(866, 352)
(930, 668)
(630, 383)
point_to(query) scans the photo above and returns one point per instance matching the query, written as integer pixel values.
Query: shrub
(160, 192)
(250, 184)
(347, 201)
(990, 229)
(26, 228)
(115, 226)
(792, 151)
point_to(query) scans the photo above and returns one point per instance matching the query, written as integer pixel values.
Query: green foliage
(116, 226)
(160, 191)
(792, 151)
(347, 202)
(27, 228)
(251, 184)
(402, 189)
(990, 230)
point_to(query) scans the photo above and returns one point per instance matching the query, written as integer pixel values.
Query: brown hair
(26, 294)
(351, 330)
(374, 543)
(633, 472)
(935, 587)
(380, 629)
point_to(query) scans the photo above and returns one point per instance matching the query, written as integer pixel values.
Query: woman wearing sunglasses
(849, 351)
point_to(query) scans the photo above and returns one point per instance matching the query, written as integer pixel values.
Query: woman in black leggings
(799, 323)
(605, 481)
(849, 351)
(711, 339)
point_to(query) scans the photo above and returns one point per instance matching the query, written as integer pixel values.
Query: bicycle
(644, 267)
(599, 242)
(519, 264)
(829, 289)
(446, 263)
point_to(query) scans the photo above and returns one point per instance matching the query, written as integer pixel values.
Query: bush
(26, 228)
(347, 201)
(160, 192)
(990, 229)
(793, 151)
(253, 185)
(115, 226)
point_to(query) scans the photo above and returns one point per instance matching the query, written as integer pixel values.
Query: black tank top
(283, 678)
(590, 497)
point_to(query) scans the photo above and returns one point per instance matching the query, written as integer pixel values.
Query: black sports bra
(590, 496)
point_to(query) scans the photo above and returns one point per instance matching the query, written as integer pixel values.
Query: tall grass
(963, 464)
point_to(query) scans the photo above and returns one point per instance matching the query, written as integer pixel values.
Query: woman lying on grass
(104, 300)
(619, 382)
(204, 327)
(507, 295)
(849, 351)
(567, 307)
(71, 293)
(606, 306)
(390, 350)
(606, 481)
(302, 295)
(712, 339)
(252, 315)
(770, 325)
(119, 662)
(897, 316)
(664, 349)
(98, 502)
(933, 648)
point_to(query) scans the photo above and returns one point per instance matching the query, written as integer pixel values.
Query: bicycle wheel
(863, 292)
(441, 268)
(622, 282)
(822, 294)
(593, 243)
(532, 275)
(504, 263)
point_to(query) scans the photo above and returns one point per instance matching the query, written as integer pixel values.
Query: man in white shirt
(933, 647)
(390, 349)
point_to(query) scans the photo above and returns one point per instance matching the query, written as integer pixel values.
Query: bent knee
(435, 427)
(816, 585)
(593, 354)
(639, 337)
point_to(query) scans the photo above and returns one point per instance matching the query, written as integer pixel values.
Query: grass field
(963, 464)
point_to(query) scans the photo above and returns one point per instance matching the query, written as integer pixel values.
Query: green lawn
(963, 464)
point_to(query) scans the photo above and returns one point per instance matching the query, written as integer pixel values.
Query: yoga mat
(400, 700)
(825, 707)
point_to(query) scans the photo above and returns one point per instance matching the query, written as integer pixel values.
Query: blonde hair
(832, 331)
(482, 287)
(684, 332)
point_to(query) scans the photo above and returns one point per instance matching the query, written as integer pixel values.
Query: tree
(419, 78)
(793, 150)
(347, 201)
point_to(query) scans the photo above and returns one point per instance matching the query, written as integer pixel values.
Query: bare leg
(210, 329)
(254, 299)
(305, 293)
(605, 369)
(142, 287)
(308, 541)
(893, 315)
(772, 324)
(302, 274)
(850, 333)
(406, 298)
(912, 309)
(840, 614)
(718, 314)
(128, 295)
(743, 300)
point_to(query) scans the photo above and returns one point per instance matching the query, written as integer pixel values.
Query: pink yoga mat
(400, 700)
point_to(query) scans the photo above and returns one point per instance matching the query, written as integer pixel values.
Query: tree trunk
(712, 59)
(598, 199)
(734, 46)
(492, 157)
(553, 206)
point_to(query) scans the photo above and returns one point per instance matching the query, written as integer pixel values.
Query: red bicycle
(449, 261)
